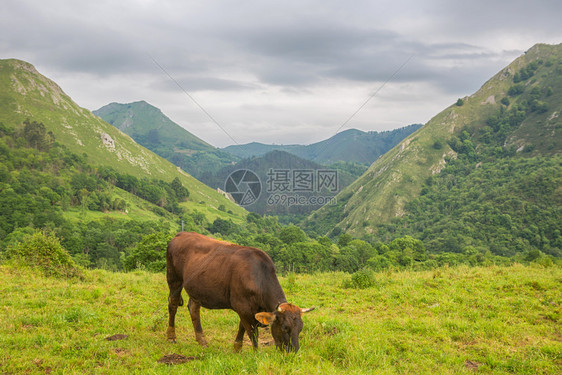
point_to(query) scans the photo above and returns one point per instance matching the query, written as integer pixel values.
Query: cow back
(222, 275)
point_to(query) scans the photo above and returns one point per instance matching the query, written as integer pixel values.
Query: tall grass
(449, 321)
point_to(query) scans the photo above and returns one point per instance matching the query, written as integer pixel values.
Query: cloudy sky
(275, 71)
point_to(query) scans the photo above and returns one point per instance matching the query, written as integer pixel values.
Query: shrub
(149, 254)
(361, 279)
(516, 89)
(43, 251)
(222, 226)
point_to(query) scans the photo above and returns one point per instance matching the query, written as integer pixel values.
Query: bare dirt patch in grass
(118, 336)
(472, 365)
(176, 359)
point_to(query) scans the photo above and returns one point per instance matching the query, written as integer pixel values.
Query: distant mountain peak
(150, 127)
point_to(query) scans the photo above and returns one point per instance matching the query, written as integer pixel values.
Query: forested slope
(483, 174)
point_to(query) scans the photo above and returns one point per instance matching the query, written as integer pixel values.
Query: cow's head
(286, 325)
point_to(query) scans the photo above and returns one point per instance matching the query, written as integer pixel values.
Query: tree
(516, 89)
(37, 136)
(181, 191)
(222, 226)
(292, 234)
(253, 217)
(198, 217)
(364, 250)
(344, 239)
(408, 246)
(348, 259)
(149, 253)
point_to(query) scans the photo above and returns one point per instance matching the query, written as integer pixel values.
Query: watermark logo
(244, 186)
(284, 187)
(302, 180)
(301, 187)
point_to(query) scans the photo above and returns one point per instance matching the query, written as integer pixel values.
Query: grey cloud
(289, 52)
(197, 83)
(303, 56)
(68, 42)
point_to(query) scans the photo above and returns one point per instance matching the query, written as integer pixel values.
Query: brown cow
(221, 275)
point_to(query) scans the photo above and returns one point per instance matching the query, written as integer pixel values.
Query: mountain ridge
(27, 94)
(350, 145)
(382, 193)
(150, 127)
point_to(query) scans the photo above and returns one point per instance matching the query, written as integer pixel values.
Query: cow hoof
(171, 334)
(201, 340)
(171, 341)
(237, 346)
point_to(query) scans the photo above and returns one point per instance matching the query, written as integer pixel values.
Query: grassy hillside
(516, 114)
(350, 145)
(99, 212)
(26, 94)
(447, 321)
(148, 126)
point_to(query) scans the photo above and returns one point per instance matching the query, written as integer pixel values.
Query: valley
(478, 184)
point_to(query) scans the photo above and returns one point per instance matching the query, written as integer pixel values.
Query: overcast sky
(275, 71)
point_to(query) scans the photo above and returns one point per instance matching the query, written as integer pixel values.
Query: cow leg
(174, 300)
(238, 342)
(194, 311)
(252, 330)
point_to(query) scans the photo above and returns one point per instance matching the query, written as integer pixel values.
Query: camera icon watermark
(284, 186)
(244, 186)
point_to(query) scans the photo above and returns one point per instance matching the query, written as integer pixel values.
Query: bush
(222, 226)
(43, 251)
(516, 89)
(149, 254)
(361, 279)
(438, 145)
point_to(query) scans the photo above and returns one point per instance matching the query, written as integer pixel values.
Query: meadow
(462, 320)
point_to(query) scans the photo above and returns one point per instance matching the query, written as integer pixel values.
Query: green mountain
(351, 145)
(283, 178)
(484, 173)
(148, 126)
(28, 95)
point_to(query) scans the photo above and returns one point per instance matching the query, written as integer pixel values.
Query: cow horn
(307, 310)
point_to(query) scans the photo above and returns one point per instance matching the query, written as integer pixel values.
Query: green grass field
(447, 321)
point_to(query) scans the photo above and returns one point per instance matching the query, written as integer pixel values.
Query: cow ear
(307, 310)
(265, 318)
